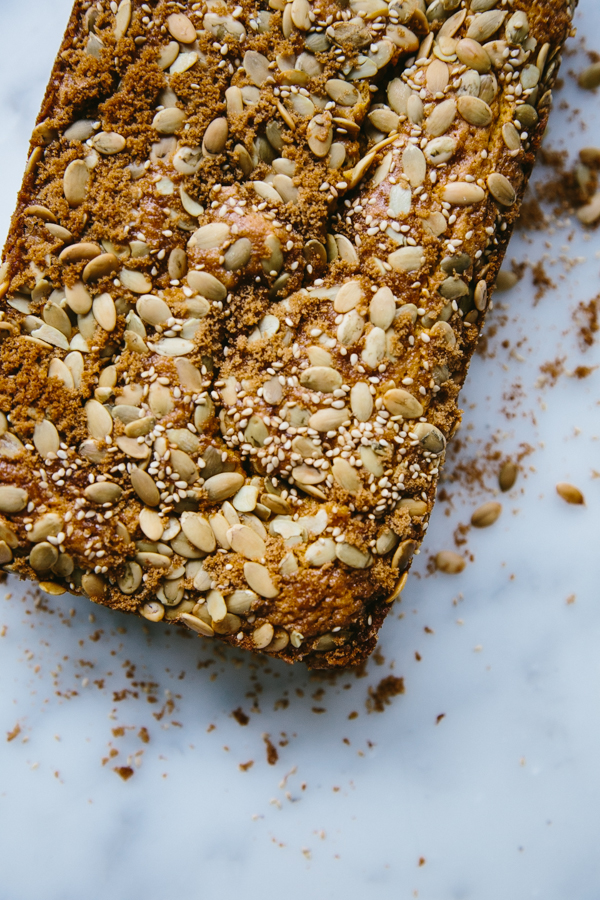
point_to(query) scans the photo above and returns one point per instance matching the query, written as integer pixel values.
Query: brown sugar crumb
(240, 716)
(383, 694)
(243, 767)
(541, 280)
(583, 371)
(272, 754)
(586, 315)
(11, 735)
(124, 772)
(551, 371)
(144, 736)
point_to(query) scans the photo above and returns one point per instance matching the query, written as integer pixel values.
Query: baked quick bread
(250, 261)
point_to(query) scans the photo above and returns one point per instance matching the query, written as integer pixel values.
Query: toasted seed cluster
(249, 264)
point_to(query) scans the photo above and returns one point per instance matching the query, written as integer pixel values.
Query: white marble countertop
(481, 781)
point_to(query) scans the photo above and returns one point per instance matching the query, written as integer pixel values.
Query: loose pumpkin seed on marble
(449, 562)
(486, 514)
(508, 475)
(570, 493)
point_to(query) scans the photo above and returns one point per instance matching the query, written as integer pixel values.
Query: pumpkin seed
(384, 120)
(398, 94)
(79, 252)
(58, 232)
(328, 419)
(105, 312)
(346, 476)
(501, 189)
(508, 475)
(400, 402)
(210, 237)
(480, 296)
(486, 515)
(321, 378)
(239, 254)
(256, 66)
(352, 556)
(240, 602)
(75, 182)
(136, 282)
(177, 264)
(207, 285)
(99, 420)
(430, 437)
(181, 28)
(400, 199)
(570, 493)
(79, 131)
(403, 555)
(131, 578)
(153, 310)
(198, 531)
(169, 120)
(197, 625)
(144, 486)
(263, 635)
(344, 248)
(103, 492)
(440, 150)
(245, 541)
(517, 27)
(341, 92)
(321, 552)
(319, 135)
(48, 525)
(441, 118)
(215, 137)
(8, 536)
(12, 499)
(361, 401)
(589, 78)
(472, 54)
(445, 331)
(5, 553)
(78, 298)
(46, 439)
(151, 524)
(43, 557)
(414, 165)
(407, 259)
(109, 143)
(224, 485)
(484, 25)
(350, 329)
(511, 136)
(437, 76)
(185, 548)
(260, 580)
(462, 193)
(375, 348)
(475, 111)
(348, 297)
(449, 562)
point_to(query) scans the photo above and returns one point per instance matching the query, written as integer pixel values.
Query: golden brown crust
(250, 260)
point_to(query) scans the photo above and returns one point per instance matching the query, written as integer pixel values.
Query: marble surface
(480, 781)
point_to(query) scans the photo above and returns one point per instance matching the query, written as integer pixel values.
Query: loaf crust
(251, 257)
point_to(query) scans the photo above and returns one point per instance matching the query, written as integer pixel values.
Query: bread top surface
(250, 261)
